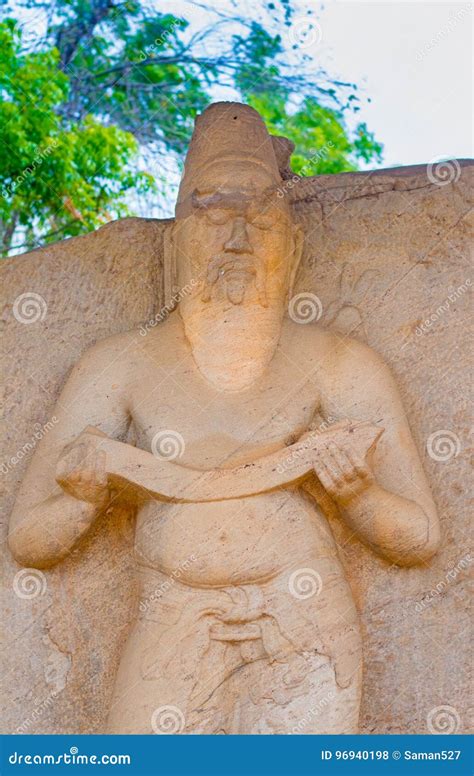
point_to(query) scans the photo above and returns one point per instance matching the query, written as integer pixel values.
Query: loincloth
(207, 634)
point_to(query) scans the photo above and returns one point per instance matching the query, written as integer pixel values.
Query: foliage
(58, 177)
(108, 84)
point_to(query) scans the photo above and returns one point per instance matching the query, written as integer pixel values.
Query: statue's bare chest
(219, 428)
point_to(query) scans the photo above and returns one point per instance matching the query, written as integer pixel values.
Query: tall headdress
(225, 134)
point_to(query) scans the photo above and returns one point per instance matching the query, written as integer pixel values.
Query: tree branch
(69, 37)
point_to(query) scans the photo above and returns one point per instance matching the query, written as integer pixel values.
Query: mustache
(226, 263)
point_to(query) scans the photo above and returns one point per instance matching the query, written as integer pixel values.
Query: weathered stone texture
(384, 253)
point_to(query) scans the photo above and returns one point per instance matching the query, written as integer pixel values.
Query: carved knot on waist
(246, 606)
(248, 603)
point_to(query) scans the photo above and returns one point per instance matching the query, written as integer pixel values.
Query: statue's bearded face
(235, 249)
(237, 240)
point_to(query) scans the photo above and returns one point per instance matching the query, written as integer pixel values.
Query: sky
(414, 60)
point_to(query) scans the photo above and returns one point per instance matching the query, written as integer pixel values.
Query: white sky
(415, 61)
(412, 59)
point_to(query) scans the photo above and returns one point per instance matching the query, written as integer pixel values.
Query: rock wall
(387, 255)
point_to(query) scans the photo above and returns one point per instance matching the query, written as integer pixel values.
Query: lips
(230, 266)
(236, 270)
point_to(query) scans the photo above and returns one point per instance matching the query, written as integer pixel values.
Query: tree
(59, 177)
(121, 81)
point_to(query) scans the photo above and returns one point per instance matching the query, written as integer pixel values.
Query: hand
(81, 473)
(343, 475)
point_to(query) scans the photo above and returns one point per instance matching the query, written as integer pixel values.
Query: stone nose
(239, 239)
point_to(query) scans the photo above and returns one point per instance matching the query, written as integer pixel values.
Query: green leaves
(112, 80)
(57, 177)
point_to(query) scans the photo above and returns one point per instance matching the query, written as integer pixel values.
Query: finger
(341, 461)
(61, 468)
(332, 465)
(87, 476)
(93, 477)
(78, 460)
(68, 449)
(67, 464)
(86, 462)
(357, 462)
(70, 477)
(100, 461)
(91, 456)
(102, 480)
(76, 453)
(324, 476)
(100, 472)
(96, 464)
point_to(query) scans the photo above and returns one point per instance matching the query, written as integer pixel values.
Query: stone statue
(233, 431)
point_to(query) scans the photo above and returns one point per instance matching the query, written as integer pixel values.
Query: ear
(295, 259)
(170, 276)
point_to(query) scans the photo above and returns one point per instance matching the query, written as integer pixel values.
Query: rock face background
(386, 253)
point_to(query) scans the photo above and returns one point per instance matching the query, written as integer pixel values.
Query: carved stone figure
(233, 430)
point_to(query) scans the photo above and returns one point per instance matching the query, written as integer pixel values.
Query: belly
(231, 542)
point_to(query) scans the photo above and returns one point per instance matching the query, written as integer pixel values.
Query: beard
(234, 323)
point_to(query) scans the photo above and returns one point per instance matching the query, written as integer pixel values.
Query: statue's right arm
(46, 521)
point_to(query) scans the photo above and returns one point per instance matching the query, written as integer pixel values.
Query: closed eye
(262, 222)
(217, 215)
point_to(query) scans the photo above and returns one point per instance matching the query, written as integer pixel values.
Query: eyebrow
(225, 199)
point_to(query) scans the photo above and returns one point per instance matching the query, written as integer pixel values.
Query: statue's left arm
(385, 499)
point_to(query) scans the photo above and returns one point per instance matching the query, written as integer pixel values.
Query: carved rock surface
(386, 254)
